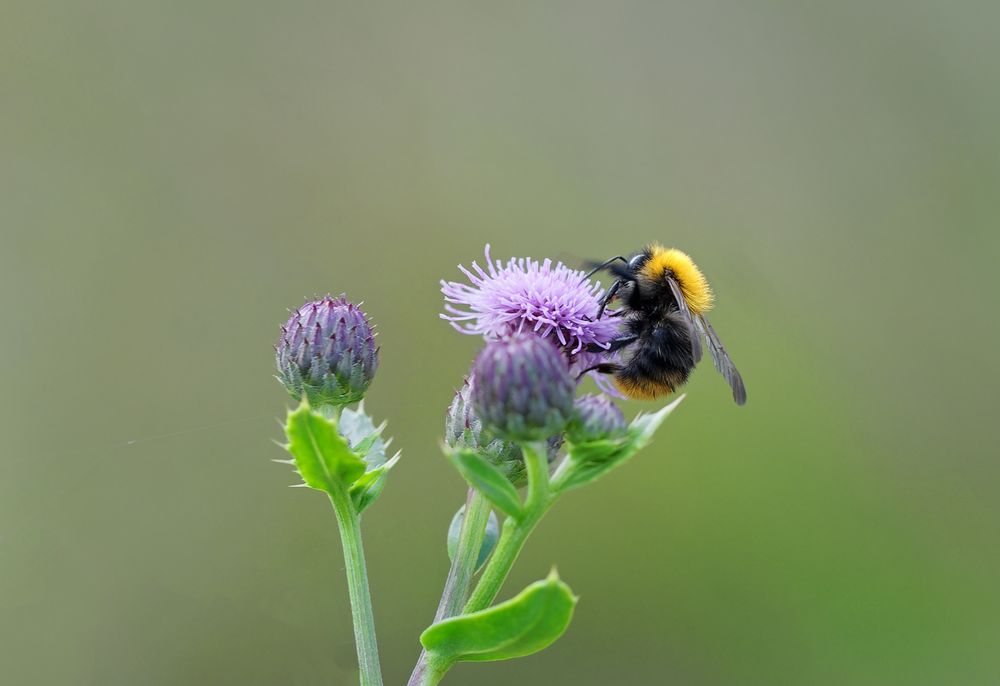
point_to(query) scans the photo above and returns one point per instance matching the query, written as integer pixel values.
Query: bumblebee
(664, 298)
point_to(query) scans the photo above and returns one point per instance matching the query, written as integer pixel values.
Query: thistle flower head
(523, 389)
(595, 417)
(549, 300)
(463, 428)
(327, 352)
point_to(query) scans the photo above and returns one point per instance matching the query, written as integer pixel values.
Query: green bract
(365, 438)
(525, 624)
(590, 460)
(335, 457)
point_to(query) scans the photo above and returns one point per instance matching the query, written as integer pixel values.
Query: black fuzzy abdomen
(661, 359)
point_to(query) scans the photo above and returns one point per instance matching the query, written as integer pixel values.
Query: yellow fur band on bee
(693, 284)
(642, 390)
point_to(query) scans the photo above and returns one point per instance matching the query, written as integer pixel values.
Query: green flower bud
(462, 428)
(595, 417)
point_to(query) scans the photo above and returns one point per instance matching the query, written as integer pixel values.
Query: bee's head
(626, 270)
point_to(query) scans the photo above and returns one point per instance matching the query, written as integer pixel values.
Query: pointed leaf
(592, 460)
(365, 438)
(369, 485)
(365, 445)
(523, 625)
(322, 456)
(486, 479)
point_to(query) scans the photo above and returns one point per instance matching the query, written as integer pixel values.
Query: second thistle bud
(327, 352)
(523, 389)
(463, 428)
(595, 417)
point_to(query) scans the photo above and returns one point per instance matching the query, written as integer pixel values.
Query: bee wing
(682, 305)
(723, 364)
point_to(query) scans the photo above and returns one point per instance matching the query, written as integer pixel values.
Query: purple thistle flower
(522, 388)
(549, 300)
(327, 352)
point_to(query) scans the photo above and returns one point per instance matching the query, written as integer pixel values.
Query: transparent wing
(684, 310)
(723, 364)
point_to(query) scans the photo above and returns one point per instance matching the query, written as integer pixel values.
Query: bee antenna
(604, 265)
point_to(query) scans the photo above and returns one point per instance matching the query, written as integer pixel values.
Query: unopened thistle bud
(463, 428)
(327, 352)
(523, 389)
(595, 417)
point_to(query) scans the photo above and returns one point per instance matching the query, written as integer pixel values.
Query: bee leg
(616, 345)
(608, 297)
(603, 368)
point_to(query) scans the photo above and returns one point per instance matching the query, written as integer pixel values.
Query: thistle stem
(463, 567)
(515, 531)
(428, 671)
(357, 586)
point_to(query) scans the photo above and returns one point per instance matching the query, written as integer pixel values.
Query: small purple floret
(549, 300)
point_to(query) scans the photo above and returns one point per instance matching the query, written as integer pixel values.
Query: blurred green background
(174, 175)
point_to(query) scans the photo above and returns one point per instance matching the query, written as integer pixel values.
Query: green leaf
(369, 485)
(490, 538)
(322, 456)
(486, 479)
(365, 438)
(366, 441)
(591, 460)
(523, 625)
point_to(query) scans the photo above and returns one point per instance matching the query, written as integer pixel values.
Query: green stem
(463, 567)
(357, 586)
(429, 673)
(456, 588)
(515, 531)
(559, 475)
